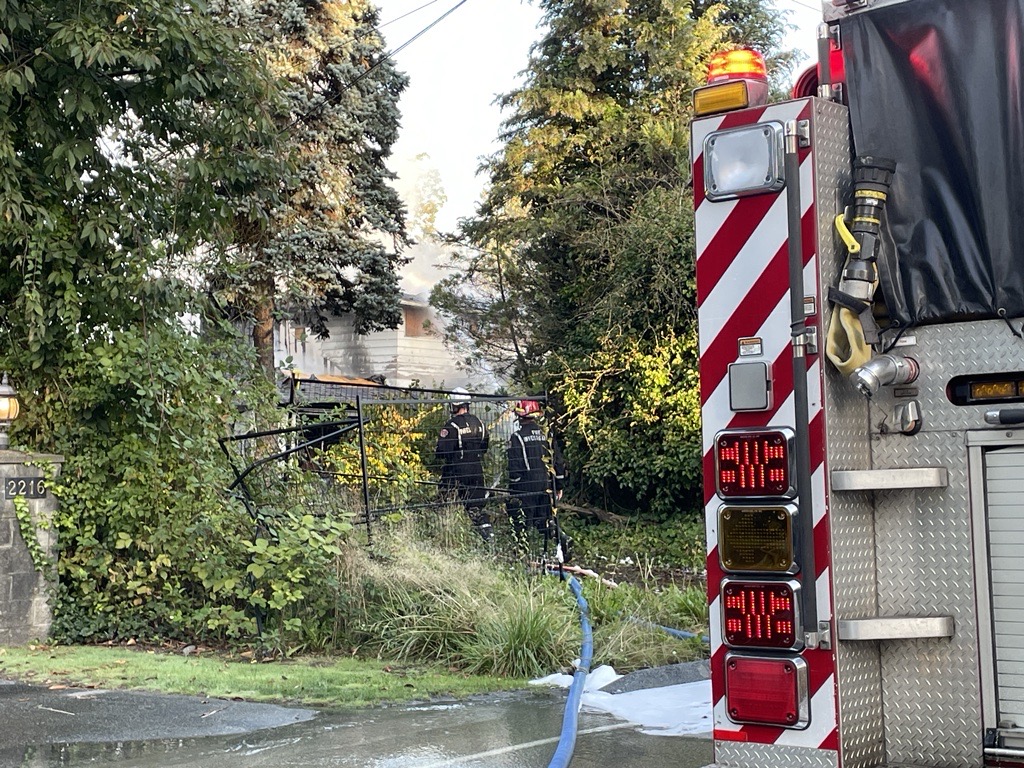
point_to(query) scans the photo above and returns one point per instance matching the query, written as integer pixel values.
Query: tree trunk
(263, 336)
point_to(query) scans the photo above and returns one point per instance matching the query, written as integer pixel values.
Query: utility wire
(387, 57)
(804, 5)
(410, 13)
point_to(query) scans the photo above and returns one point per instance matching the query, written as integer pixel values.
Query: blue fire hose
(679, 634)
(570, 722)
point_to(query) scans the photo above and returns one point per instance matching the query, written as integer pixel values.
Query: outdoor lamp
(8, 410)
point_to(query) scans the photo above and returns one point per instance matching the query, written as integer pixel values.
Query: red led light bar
(754, 464)
(769, 691)
(761, 614)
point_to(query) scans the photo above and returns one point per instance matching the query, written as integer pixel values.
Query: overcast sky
(459, 67)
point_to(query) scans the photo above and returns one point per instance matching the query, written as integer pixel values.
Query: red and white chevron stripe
(743, 291)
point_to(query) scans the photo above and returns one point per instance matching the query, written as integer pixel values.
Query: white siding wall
(402, 360)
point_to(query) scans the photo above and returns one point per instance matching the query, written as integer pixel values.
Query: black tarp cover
(938, 86)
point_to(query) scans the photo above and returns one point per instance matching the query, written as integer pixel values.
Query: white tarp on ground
(672, 710)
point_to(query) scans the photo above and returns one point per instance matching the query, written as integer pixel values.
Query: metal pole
(798, 325)
(366, 475)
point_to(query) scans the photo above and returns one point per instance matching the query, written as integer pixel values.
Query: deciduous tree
(131, 136)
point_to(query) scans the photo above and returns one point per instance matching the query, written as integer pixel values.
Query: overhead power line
(405, 15)
(386, 57)
(816, 9)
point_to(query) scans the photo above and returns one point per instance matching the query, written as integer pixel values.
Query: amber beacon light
(736, 79)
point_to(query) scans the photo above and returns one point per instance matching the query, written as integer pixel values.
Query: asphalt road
(45, 728)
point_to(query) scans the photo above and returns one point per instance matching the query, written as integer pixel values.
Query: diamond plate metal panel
(919, 543)
(945, 351)
(858, 671)
(925, 546)
(731, 754)
(924, 552)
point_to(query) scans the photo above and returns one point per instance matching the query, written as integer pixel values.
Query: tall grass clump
(423, 604)
(462, 608)
(683, 608)
(629, 645)
(529, 636)
(429, 590)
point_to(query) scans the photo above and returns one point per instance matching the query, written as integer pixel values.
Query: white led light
(744, 161)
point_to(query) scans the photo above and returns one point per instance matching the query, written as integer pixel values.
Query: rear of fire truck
(860, 279)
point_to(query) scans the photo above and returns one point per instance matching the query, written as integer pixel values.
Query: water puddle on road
(507, 731)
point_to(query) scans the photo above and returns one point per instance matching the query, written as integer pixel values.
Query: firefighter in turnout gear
(461, 446)
(536, 472)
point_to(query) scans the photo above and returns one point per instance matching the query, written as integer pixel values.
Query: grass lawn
(340, 682)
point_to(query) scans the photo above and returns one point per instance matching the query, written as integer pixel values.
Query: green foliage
(397, 443)
(294, 567)
(669, 606)
(125, 129)
(684, 607)
(630, 623)
(314, 681)
(142, 488)
(577, 273)
(423, 604)
(628, 645)
(525, 637)
(675, 540)
(470, 613)
(138, 141)
(632, 414)
(27, 528)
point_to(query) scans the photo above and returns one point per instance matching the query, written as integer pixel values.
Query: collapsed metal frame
(307, 436)
(306, 397)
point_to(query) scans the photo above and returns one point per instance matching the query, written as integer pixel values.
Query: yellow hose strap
(847, 236)
(845, 345)
(868, 220)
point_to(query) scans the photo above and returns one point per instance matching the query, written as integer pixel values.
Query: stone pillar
(24, 589)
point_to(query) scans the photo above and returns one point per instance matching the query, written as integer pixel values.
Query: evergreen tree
(332, 248)
(580, 272)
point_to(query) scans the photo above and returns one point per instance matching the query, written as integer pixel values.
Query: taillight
(754, 464)
(767, 690)
(765, 680)
(761, 614)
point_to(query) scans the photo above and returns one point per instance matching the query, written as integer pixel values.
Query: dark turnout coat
(461, 445)
(536, 470)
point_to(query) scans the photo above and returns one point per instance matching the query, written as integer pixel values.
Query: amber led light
(756, 538)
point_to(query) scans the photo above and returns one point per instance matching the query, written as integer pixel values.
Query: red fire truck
(860, 280)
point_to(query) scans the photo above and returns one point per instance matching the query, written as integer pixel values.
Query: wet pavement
(43, 728)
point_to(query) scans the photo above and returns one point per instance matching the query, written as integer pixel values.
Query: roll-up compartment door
(1004, 501)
